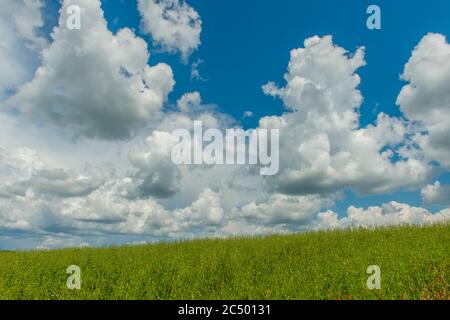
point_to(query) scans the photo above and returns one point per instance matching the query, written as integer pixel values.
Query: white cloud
(172, 24)
(66, 218)
(322, 146)
(426, 98)
(23, 172)
(20, 45)
(207, 210)
(37, 199)
(389, 214)
(283, 209)
(157, 175)
(94, 83)
(436, 194)
(106, 211)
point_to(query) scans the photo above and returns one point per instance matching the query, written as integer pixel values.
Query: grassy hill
(414, 262)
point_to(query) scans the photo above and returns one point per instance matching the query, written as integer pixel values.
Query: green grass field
(414, 262)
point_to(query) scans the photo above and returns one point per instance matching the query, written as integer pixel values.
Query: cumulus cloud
(38, 199)
(108, 211)
(23, 172)
(436, 194)
(64, 183)
(157, 175)
(20, 42)
(426, 97)
(207, 210)
(173, 25)
(94, 83)
(323, 149)
(66, 218)
(389, 214)
(154, 173)
(280, 208)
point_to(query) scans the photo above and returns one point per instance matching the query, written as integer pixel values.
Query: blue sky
(244, 45)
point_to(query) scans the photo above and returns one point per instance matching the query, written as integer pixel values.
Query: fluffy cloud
(154, 173)
(94, 83)
(426, 98)
(19, 41)
(172, 24)
(322, 146)
(107, 210)
(23, 172)
(283, 209)
(66, 218)
(38, 199)
(157, 175)
(207, 210)
(436, 194)
(389, 214)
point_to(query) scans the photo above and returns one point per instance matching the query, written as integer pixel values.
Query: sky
(86, 116)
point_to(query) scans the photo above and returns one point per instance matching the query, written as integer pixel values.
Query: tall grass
(414, 262)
